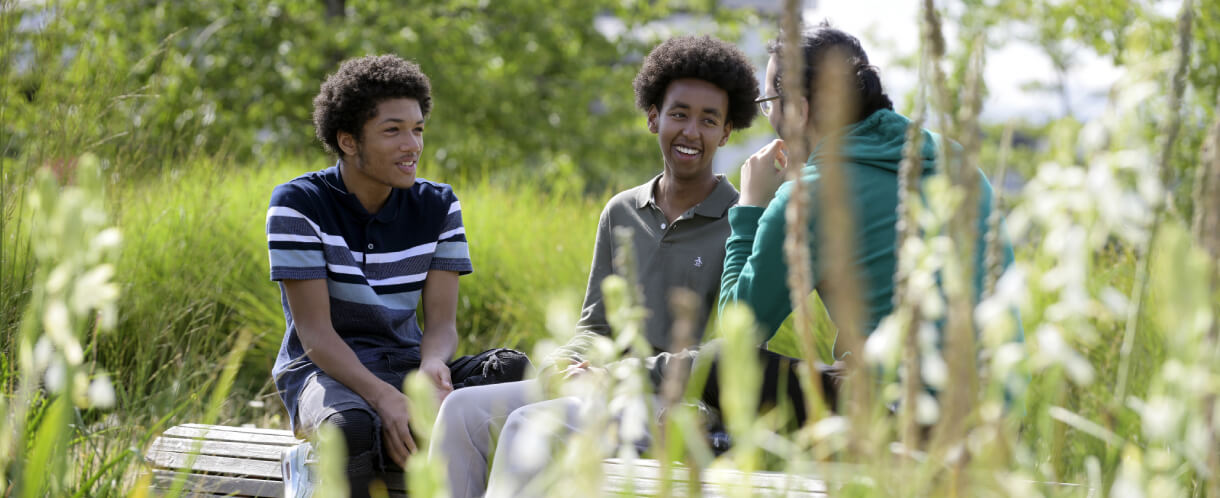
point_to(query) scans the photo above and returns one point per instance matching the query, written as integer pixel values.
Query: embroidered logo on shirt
(698, 262)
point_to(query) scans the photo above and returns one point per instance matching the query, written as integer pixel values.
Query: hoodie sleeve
(755, 272)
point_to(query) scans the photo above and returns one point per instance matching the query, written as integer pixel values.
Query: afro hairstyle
(705, 58)
(349, 97)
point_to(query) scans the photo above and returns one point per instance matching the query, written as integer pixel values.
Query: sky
(889, 30)
(1011, 67)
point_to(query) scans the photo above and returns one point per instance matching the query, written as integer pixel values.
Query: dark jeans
(781, 382)
(329, 401)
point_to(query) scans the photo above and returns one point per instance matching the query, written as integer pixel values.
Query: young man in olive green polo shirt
(695, 92)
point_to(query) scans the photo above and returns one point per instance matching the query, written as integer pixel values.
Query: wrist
(433, 361)
(754, 200)
(385, 393)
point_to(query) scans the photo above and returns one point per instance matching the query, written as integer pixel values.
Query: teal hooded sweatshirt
(755, 271)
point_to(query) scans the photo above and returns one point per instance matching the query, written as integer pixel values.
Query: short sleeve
(294, 241)
(452, 252)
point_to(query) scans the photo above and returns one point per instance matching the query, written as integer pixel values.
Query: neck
(370, 194)
(676, 196)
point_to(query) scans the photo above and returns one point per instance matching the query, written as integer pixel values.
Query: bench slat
(217, 448)
(217, 465)
(217, 485)
(650, 470)
(232, 436)
(250, 430)
(647, 487)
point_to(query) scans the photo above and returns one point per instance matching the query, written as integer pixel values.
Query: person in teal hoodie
(755, 269)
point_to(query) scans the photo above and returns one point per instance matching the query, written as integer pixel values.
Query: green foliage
(520, 86)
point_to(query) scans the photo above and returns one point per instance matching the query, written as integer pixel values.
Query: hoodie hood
(877, 142)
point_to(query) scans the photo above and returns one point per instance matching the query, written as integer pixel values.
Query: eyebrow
(396, 120)
(707, 110)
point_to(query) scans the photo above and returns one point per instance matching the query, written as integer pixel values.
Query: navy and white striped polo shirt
(374, 265)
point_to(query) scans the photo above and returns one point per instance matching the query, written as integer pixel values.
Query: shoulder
(629, 200)
(302, 192)
(428, 191)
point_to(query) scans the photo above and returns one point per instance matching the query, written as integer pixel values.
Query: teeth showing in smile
(405, 163)
(686, 150)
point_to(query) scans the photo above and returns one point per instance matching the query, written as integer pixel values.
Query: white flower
(94, 290)
(56, 322)
(829, 427)
(934, 370)
(101, 392)
(56, 376)
(927, 411)
(108, 238)
(1161, 416)
(1006, 357)
(883, 346)
(43, 351)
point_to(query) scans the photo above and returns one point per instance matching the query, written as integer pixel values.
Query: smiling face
(690, 125)
(386, 154)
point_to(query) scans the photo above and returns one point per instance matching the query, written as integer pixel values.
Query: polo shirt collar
(334, 180)
(715, 205)
(723, 197)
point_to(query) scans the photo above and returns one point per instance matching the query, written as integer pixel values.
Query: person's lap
(323, 396)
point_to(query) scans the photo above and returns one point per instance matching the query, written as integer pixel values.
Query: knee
(461, 408)
(357, 427)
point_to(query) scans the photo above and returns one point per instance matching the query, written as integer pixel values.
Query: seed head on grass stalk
(959, 277)
(1206, 228)
(73, 247)
(425, 477)
(796, 245)
(834, 106)
(910, 171)
(1178, 84)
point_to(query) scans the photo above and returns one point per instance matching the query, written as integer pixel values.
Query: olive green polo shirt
(687, 253)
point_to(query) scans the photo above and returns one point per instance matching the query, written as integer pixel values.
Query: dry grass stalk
(1206, 223)
(834, 106)
(910, 171)
(1140, 286)
(685, 306)
(959, 348)
(995, 247)
(796, 241)
(1206, 228)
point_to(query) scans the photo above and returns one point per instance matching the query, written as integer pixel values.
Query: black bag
(489, 367)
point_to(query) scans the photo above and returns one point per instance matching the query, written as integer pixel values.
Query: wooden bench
(228, 461)
(240, 461)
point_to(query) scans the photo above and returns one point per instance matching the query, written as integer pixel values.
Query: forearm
(738, 247)
(328, 351)
(755, 272)
(439, 343)
(440, 317)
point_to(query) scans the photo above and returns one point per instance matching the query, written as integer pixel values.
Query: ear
(728, 130)
(348, 143)
(653, 116)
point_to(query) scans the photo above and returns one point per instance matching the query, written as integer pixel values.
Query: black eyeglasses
(765, 105)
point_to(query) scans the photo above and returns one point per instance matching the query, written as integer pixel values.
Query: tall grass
(193, 284)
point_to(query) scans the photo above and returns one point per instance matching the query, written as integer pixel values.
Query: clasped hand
(762, 174)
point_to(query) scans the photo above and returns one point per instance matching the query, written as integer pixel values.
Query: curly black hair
(821, 40)
(705, 58)
(349, 98)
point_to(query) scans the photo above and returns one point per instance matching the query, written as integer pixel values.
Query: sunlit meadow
(131, 304)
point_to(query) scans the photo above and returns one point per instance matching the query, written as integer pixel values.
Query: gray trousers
(466, 424)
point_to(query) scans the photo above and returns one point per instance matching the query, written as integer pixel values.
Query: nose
(690, 129)
(413, 143)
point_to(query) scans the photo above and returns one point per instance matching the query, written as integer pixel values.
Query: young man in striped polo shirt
(357, 249)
